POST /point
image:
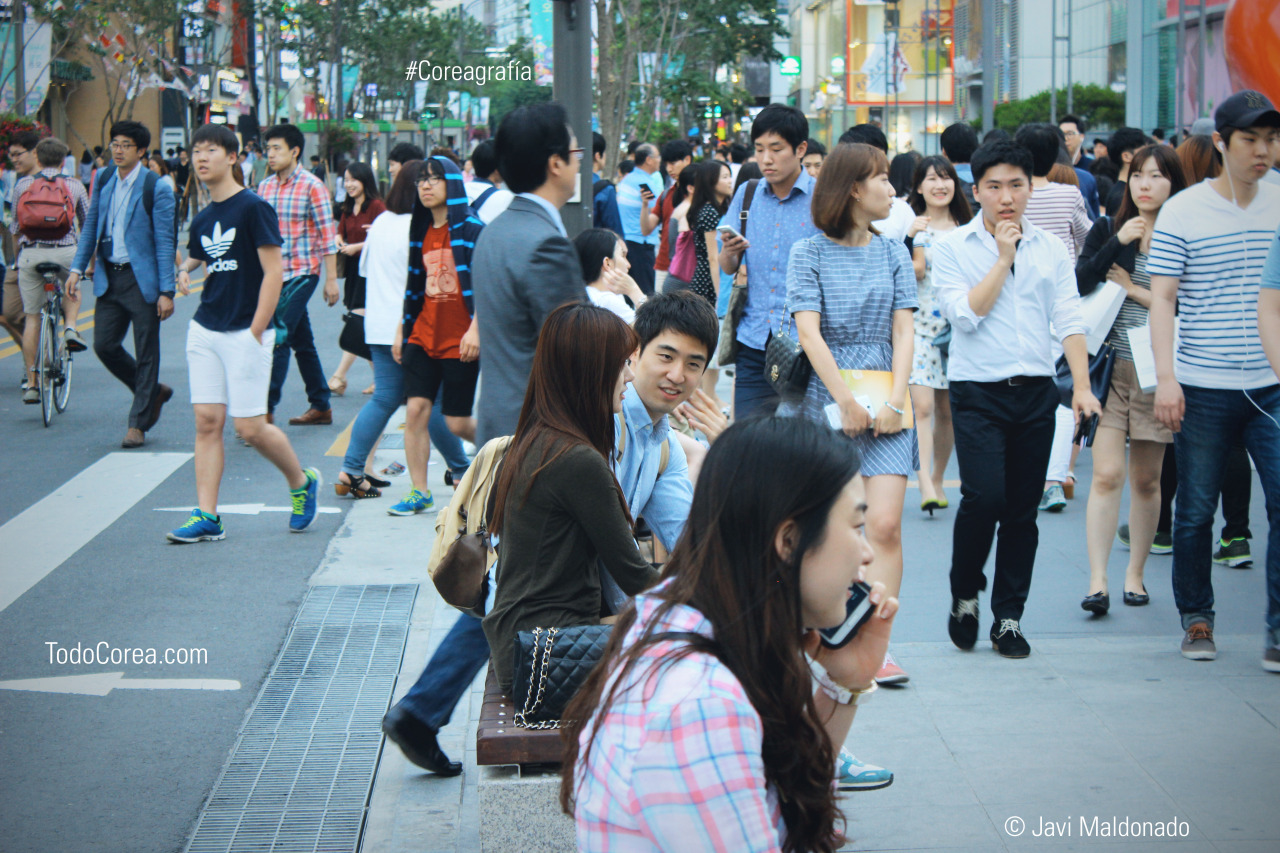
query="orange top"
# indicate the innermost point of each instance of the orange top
(443, 319)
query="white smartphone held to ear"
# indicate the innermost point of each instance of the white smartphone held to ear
(727, 231)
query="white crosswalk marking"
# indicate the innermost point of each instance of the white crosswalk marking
(44, 535)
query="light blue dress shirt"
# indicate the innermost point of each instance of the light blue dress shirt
(630, 203)
(119, 213)
(549, 208)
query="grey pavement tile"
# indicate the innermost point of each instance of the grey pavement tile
(924, 771)
(1095, 785)
(1044, 720)
(1268, 846)
(1226, 803)
(1261, 692)
(943, 827)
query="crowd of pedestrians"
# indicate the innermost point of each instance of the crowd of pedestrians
(1012, 301)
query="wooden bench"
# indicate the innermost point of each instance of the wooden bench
(500, 741)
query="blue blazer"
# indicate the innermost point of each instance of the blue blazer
(151, 243)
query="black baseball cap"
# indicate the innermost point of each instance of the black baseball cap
(1244, 110)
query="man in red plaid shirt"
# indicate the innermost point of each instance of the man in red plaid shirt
(305, 210)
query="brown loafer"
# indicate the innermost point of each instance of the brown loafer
(313, 417)
(163, 395)
(133, 438)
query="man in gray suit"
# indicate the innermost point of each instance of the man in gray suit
(524, 265)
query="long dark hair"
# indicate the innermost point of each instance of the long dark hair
(758, 475)
(364, 174)
(704, 189)
(581, 350)
(901, 170)
(959, 206)
(1170, 166)
(403, 194)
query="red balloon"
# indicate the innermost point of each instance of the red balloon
(1252, 31)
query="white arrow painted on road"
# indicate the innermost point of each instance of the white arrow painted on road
(102, 683)
(244, 509)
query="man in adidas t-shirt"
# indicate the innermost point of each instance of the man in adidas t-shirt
(238, 236)
(1207, 254)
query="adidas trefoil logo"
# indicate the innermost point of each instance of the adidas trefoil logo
(218, 246)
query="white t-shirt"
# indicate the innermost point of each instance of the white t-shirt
(615, 302)
(1216, 250)
(385, 265)
(493, 205)
(900, 218)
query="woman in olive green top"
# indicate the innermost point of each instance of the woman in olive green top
(557, 505)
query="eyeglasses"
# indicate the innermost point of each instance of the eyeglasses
(431, 180)
(1071, 133)
(122, 146)
(576, 152)
(15, 153)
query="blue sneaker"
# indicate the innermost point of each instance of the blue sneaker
(413, 503)
(855, 775)
(305, 501)
(200, 527)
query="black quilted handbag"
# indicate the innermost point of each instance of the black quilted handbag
(786, 366)
(551, 664)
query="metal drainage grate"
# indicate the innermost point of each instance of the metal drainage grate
(300, 773)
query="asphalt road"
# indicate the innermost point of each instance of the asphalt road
(129, 770)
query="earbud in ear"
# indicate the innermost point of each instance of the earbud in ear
(1222, 147)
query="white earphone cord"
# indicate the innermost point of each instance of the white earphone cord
(1244, 307)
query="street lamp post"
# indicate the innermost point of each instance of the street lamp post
(571, 86)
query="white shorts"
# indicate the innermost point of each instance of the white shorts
(231, 369)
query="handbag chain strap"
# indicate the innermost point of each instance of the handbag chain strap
(532, 703)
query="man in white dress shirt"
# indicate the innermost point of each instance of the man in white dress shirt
(1001, 283)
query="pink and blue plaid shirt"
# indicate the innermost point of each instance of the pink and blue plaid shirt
(677, 763)
(305, 211)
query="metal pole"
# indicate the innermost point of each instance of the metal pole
(17, 20)
(1071, 95)
(988, 65)
(1053, 62)
(1204, 59)
(1180, 79)
(571, 86)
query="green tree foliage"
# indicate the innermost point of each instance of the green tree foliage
(1098, 105)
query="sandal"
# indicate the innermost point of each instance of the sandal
(361, 488)
(1069, 486)
(381, 484)
(371, 389)
(337, 386)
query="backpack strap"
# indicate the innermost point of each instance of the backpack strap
(747, 196)
(482, 198)
(599, 186)
(149, 191)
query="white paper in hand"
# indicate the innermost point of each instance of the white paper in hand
(833, 411)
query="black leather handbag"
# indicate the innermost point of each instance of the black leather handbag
(550, 665)
(786, 366)
(1101, 365)
(351, 338)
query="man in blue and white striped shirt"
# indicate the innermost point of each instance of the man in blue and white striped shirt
(1207, 254)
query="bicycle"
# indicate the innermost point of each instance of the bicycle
(53, 358)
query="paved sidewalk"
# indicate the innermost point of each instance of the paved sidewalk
(1105, 719)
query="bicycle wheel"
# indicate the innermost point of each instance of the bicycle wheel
(62, 382)
(46, 363)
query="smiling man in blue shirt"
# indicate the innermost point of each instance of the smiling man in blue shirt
(779, 216)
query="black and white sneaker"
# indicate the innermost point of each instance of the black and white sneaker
(963, 623)
(1007, 639)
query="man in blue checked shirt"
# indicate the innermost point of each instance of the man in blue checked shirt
(779, 216)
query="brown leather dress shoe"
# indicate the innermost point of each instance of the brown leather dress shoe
(133, 438)
(163, 395)
(313, 417)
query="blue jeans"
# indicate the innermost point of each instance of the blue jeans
(293, 332)
(1214, 421)
(388, 377)
(455, 664)
(752, 393)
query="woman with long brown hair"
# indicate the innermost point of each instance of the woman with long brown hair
(1117, 251)
(558, 509)
(1199, 159)
(702, 728)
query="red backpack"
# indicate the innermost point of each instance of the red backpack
(46, 210)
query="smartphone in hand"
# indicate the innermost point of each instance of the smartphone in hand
(857, 612)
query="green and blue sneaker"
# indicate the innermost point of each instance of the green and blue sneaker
(413, 503)
(855, 775)
(200, 527)
(305, 501)
(1234, 554)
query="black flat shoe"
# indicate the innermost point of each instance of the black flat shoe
(1098, 603)
(1136, 599)
(377, 483)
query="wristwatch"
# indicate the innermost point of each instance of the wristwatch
(838, 693)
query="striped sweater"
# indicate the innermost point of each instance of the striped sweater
(464, 228)
(1216, 251)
